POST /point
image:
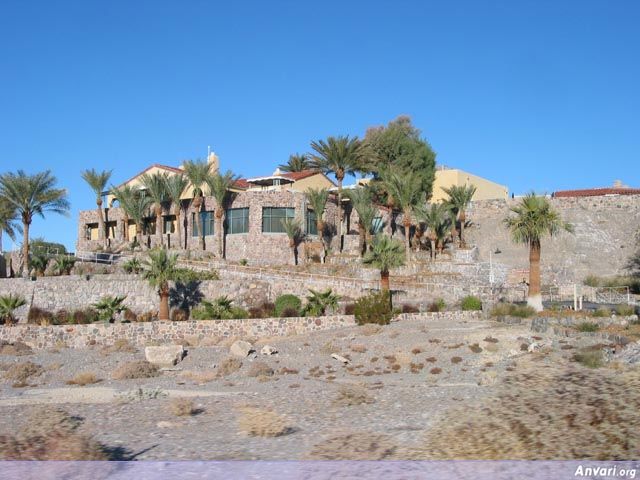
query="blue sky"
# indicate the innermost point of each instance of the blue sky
(537, 95)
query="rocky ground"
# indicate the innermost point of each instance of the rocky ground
(398, 381)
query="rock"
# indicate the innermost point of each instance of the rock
(534, 347)
(240, 348)
(164, 356)
(629, 354)
(268, 350)
(165, 424)
(340, 358)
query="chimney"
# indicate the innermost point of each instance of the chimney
(213, 159)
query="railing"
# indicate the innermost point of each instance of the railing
(98, 257)
(613, 295)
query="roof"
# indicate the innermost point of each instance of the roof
(155, 165)
(594, 192)
(245, 183)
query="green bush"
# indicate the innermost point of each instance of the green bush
(601, 312)
(587, 327)
(470, 303)
(591, 281)
(132, 266)
(287, 302)
(219, 309)
(373, 308)
(186, 275)
(590, 358)
(512, 310)
(625, 310)
(437, 306)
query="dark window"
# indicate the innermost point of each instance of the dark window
(237, 220)
(312, 225)
(207, 220)
(111, 229)
(169, 224)
(149, 226)
(377, 225)
(273, 219)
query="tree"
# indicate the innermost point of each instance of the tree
(198, 172)
(108, 307)
(176, 185)
(63, 264)
(340, 156)
(46, 247)
(319, 302)
(362, 203)
(386, 253)
(317, 198)
(220, 189)
(459, 199)
(8, 303)
(534, 219)
(8, 220)
(436, 220)
(155, 187)
(98, 182)
(159, 269)
(294, 232)
(297, 163)
(137, 209)
(39, 264)
(32, 195)
(125, 195)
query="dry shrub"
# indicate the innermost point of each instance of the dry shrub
(431, 359)
(435, 340)
(456, 359)
(260, 369)
(475, 348)
(288, 371)
(209, 342)
(294, 385)
(135, 369)
(84, 378)
(228, 366)
(121, 345)
(369, 329)
(258, 422)
(354, 446)
(179, 315)
(329, 348)
(416, 350)
(416, 367)
(21, 372)
(491, 339)
(15, 348)
(200, 377)
(358, 348)
(435, 371)
(226, 342)
(182, 407)
(349, 395)
(390, 358)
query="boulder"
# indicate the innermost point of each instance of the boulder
(339, 358)
(164, 356)
(268, 350)
(240, 348)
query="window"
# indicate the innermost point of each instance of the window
(111, 229)
(377, 225)
(273, 219)
(91, 231)
(312, 225)
(169, 224)
(149, 226)
(207, 221)
(237, 220)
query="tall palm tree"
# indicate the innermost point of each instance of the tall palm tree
(459, 199)
(197, 173)
(159, 269)
(219, 188)
(32, 195)
(386, 253)
(317, 198)
(361, 200)
(8, 220)
(125, 195)
(293, 229)
(297, 163)
(534, 219)
(137, 208)
(176, 185)
(155, 186)
(98, 182)
(436, 219)
(404, 188)
(340, 156)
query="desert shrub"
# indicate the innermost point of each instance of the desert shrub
(408, 308)
(587, 327)
(260, 369)
(437, 305)
(23, 371)
(590, 357)
(369, 329)
(256, 312)
(109, 306)
(358, 348)
(145, 316)
(15, 348)
(625, 310)
(243, 262)
(220, 308)
(456, 359)
(84, 316)
(435, 371)
(200, 377)
(186, 275)
(82, 379)
(591, 281)
(354, 446)
(132, 266)
(475, 348)
(135, 369)
(129, 315)
(229, 366)
(349, 308)
(374, 308)
(269, 309)
(471, 303)
(179, 315)
(290, 313)
(263, 423)
(121, 345)
(8, 303)
(601, 312)
(512, 310)
(349, 395)
(182, 407)
(287, 302)
(39, 316)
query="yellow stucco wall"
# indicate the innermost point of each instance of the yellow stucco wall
(485, 189)
(314, 181)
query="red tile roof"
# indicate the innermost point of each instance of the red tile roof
(594, 192)
(295, 176)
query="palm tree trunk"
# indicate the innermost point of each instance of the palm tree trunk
(407, 235)
(159, 224)
(292, 245)
(432, 241)
(463, 218)
(339, 178)
(384, 281)
(534, 298)
(362, 242)
(220, 230)
(102, 231)
(25, 247)
(320, 227)
(163, 313)
(197, 205)
(179, 227)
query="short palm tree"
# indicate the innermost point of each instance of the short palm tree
(317, 198)
(155, 187)
(32, 195)
(160, 268)
(220, 189)
(63, 264)
(98, 182)
(8, 303)
(534, 219)
(8, 221)
(340, 156)
(125, 195)
(176, 185)
(459, 199)
(198, 172)
(294, 232)
(39, 264)
(137, 209)
(108, 307)
(361, 200)
(319, 302)
(436, 218)
(297, 163)
(386, 253)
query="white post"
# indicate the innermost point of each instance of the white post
(580, 302)
(575, 297)
(491, 279)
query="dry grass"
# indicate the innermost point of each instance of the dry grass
(228, 366)
(416, 350)
(200, 377)
(435, 371)
(288, 371)
(455, 360)
(135, 369)
(329, 348)
(15, 348)
(431, 359)
(23, 371)
(84, 378)
(120, 346)
(349, 395)
(416, 367)
(209, 342)
(183, 407)
(369, 329)
(354, 446)
(259, 422)
(358, 348)
(260, 369)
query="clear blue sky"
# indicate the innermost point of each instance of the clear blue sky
(540, 95)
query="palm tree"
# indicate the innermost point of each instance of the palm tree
(39, 264)
(219, 188)
(361, 200)
(340, 156)
(8, 220)
(294, 231)
(404, 189)
(136, 208)
(198, 172)
(317, 198)
(125, 195)
(155, 186)
(319, 302)
(534, 219)
(108, 307)
(159, 269)
(386, 253)
(98, 182)
(32, 195)
(8, 303)
(459, 199)
(297, 163)
(176, 185)
(436, 219)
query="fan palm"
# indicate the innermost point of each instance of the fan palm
(125, 195)
(386, 253)
(319, 302)
(340, 156)
(8, 303)
(534, 219)
(317, 198)
(155, 187)
(32, 195)
(108, 307)
(297, 163)
(219, 188)
(294, 232)
(197, 173)
(458, 201)
(159, 269)
(39, 264)
(98, 182)
(176, 185)
(361, 200)
(137, 208)
(8, 220)
(436, 218)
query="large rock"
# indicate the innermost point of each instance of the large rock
(164, 356)
(268, 350)
(240, 348)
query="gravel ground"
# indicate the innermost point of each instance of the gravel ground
(438, 364)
